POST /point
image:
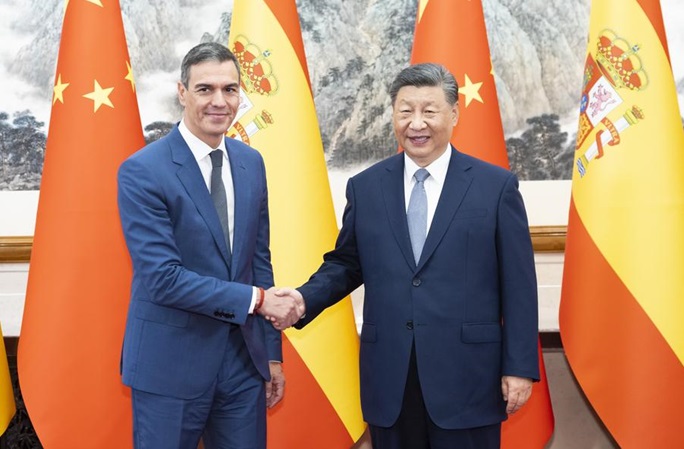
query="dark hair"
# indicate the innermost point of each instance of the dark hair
(207, 51)
(426, 75)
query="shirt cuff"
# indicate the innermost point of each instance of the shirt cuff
(252, 304)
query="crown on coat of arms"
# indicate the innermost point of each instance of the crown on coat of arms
(619, 61)
(256, 72)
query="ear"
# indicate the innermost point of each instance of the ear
(182, 91)
(454, 114)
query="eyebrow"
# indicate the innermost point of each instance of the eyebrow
(201, 85)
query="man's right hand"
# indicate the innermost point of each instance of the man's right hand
(284, 309)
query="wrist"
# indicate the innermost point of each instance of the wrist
(260, 299)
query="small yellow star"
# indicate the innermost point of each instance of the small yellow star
(100, 96)
(58, 90)
(95, 2)
(129, 75)
(471, 91)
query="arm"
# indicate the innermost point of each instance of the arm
(520, 364)
(161, 274)
(340, 274)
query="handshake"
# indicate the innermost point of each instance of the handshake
(283, 307)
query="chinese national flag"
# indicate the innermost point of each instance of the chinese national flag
(321, 408)
(453, 33)
(622, 300)
(79, 278)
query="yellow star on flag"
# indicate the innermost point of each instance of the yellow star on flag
(95, 2)
(100, 96)
(58, 90)
(471, 91)
(129, 75)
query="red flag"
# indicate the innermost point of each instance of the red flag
(79, 278)
(321, 361)
(622, 297)
(465, 52)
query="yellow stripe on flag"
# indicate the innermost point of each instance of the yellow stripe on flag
(280, 121)
(7, 405)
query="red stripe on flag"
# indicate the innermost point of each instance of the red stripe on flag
(324, 428)
(627, 370)
(286, 14)
(655, 16)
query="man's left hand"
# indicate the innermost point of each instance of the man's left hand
(516, 391)
(275, 389)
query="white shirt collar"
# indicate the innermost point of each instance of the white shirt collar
(199, 149)
(438, 167)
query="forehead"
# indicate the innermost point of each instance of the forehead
(421, 95)
(213, 72)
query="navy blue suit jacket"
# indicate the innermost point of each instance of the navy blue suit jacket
(470, 304)
(186, 290)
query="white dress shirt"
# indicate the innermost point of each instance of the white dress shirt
(433, 184)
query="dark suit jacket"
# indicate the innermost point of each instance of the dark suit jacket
(470, 305)
(185, 289)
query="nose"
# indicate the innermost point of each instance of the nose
(417, 121)
(218, 99)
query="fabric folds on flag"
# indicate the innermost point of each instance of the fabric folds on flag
(622, 298)
(7, 404)
(79, 278)
(278, 118)
(453, 33)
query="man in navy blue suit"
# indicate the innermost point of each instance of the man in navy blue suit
(199, 358)
(449, 337)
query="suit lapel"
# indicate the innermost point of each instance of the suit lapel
(456, 185)
(395, 204)
(243, 202)
(190, 176)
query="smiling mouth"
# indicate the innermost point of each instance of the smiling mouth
(419, 139)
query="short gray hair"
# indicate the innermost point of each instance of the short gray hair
(426, 75)
(206, 51)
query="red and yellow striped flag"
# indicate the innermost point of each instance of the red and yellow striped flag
(453, 33)
(622, 300)
(79, 278)
(7, 405)
(278, 118)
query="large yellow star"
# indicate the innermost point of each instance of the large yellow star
(129, 76)
(94, 2)
(100, 96)
(471, 91)
(58, 90)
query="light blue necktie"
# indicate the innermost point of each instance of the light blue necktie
(416, 214)
(218, 193)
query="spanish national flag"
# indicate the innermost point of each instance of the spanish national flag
(321, 408)
(622, 302)
(453, 33)
(80, 273)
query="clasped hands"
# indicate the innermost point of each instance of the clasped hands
(282, 307)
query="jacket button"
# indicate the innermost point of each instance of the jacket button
(409, 325)
(230, 315)
(416, 282)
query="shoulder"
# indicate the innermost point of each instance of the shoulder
(153, 151)
(479, 168)
(241, 149)
(378, 169)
